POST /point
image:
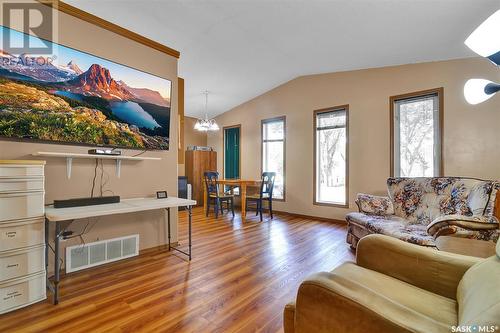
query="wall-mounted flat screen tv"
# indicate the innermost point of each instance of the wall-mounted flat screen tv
(74, 97)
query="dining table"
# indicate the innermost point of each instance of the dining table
(242, 184)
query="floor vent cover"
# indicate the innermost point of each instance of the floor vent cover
(79, 257)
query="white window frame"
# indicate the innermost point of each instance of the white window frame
(264, 122)
(395, 103)
(316, 129)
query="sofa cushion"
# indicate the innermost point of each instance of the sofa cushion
(395, 300)
(374, 205)
(421, 200)
(394, 226)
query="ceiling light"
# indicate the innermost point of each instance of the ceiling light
(205, 124)
(479, 90)
(485, 40)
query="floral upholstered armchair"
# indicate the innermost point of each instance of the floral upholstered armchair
(418, 210)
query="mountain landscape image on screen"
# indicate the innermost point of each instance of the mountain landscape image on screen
(75, 97)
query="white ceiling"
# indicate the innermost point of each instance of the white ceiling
(239, 49)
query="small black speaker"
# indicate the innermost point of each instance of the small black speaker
(78, 202)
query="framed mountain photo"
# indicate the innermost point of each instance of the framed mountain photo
(74, 97)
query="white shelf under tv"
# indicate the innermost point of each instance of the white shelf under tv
(70, 156)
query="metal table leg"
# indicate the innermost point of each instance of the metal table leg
(189, 214)
(46, 247)
(190, 237)
(168, 219)
(57, 267)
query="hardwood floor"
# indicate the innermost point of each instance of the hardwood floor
(241, 276)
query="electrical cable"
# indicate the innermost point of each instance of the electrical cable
(85, 230)
(92, 226)
(95, 176)
(139, 154)
(65, 228)
(102, 174)
(61, 261)
(104, 181)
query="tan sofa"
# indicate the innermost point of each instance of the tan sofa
(396, 286)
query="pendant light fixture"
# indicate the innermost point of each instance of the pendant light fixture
(205, 124)
(485, 42)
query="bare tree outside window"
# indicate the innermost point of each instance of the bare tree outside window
(416, 136)
(331, 159)
(273, 153)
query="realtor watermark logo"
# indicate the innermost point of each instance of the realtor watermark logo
(475, 328)
(37, 23)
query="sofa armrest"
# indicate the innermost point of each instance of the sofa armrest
(436, 271)
(465, 222)
(327, 302)
(289, 318)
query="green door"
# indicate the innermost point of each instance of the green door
(232, 153)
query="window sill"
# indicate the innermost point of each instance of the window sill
(327, 204)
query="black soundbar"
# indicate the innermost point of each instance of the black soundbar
(77, 202)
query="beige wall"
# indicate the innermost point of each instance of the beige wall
(471, 134)
(192, 137)
(138, 179)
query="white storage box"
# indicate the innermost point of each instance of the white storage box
(17, 263)
(22, 233)
(21, 185)
(13, 170)
(18, 293)
(22, 205)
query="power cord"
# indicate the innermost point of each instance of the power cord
(88, 227)
(104, 179)
(95, 176)
(139, 154)
(60, 260)
(102, 175)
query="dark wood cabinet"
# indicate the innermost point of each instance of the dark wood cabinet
(197, 162)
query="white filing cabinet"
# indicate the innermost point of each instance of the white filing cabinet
(22, 234)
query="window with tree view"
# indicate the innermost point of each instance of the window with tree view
(273, 152)
(331, 156)
(417, 143)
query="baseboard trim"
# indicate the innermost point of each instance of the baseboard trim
(157, 248)
(324, 219)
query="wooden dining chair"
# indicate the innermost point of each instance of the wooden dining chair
(265, 194)
(214, 196)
